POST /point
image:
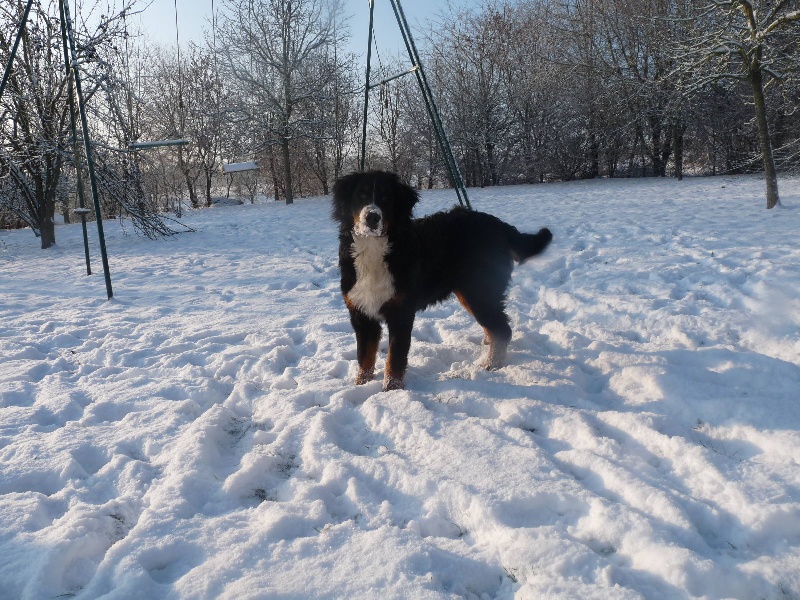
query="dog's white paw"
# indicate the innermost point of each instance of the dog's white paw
(496, 358)
(392, 383)
(364, 376)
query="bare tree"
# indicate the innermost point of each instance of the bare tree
(34, 116)
(269, 43)
(38, 153)
(529, 66)
(204, 112)
(632, 41)
(391, 116)
(424, 147)
(471, 86)
(174, 110)
(749, 41)
(329, 116)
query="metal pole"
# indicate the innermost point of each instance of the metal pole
(14, 48)
(81, 210)
(366, 88)
(433, 111)
(81, 202)
(67, 30)
(411, 50)
(444, 143)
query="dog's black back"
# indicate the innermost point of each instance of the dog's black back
(417, 262)
(470, 252)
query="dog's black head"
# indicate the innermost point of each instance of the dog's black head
(372, 203)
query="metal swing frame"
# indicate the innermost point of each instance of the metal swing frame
(73, 74)
(417, 69)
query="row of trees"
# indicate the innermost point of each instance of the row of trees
(539, 90)
(529, 90)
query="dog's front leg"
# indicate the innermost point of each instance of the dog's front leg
(368, 335)
(400, 325)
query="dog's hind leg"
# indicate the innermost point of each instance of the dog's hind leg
(490, 314)
(498, 332)
(368, 335)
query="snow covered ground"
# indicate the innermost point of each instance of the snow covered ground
(199, 436)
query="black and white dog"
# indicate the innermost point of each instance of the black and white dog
(393, 265)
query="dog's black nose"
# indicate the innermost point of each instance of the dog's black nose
(373, 219)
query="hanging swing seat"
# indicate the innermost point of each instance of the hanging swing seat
(239, 167)
(157, 144)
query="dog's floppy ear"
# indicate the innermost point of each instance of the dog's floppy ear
(342, 193)
(405, 199)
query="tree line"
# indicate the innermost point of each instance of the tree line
(530, 91)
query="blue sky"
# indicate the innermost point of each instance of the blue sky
(194, 15)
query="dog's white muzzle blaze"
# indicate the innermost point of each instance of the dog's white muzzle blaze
(370, 221)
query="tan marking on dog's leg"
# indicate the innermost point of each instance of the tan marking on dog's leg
(366, 366)
(391, 379)
(400, 326)
(368, 338)
(464, 302)
(487, 337)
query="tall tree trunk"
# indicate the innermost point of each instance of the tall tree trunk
(656, 154)
(209, 177)
(771, 175)
(491, 163)
(192, 192)
(288, 108)
(184, 167)
(274, 174)
(47, 224)
(287, 170)
(47, 229)
(677, 143)
(594, 143)
(46, 190)
(678, 137)
(594, 155)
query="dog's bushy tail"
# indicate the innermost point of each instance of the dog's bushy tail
(526, 245)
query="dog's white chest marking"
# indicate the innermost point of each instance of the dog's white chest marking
(374, 283)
